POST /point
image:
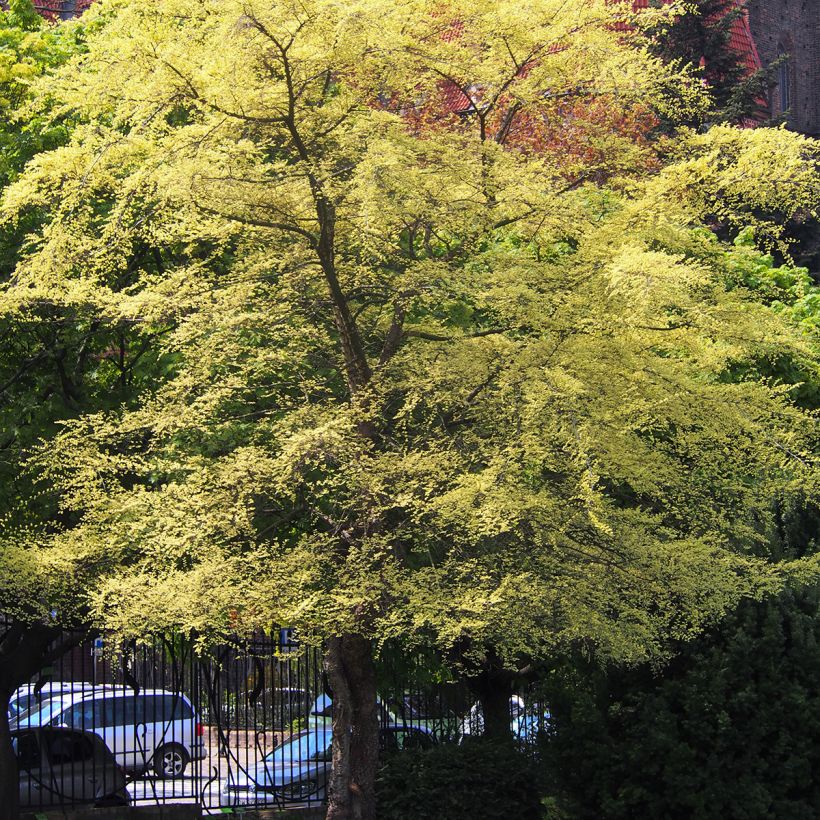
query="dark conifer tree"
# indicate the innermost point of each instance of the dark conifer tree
(703, 37)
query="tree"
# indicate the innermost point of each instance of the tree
(421, 381)
(30, 637)
(701, 35)
(30, 48)
(729, 727)
(59, 358)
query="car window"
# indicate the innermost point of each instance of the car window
(166, 708)
(121, 711)
(396, 739)
(83, 715)
(67, 747)
(27, 750)
(40, 713)
(414, 706)
(22, 704)
(147, 709)
(309, 746)
(325, 754)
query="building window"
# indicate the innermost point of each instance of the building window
(784, 80)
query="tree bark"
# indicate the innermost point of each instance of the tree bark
(494, 685)
(348, 658)
(352, 678)
(24, 650)
(9, 790)
(355, 358)
(494, 694)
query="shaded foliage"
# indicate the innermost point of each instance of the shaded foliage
(479, 780)
(731, 729)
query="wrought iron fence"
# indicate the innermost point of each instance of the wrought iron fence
(248, 724)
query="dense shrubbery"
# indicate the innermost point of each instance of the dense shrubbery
(730, 730)
(479, 780)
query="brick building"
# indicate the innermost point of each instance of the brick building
(790, 29)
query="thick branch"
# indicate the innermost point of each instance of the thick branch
(261, 223)
(435, 337)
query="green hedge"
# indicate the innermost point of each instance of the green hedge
(479, 780)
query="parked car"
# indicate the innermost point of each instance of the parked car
(66, 767)
(150, 729)
(297, 770)
(29, 695)
(321, 713)
(427, 713)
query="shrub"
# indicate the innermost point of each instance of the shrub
(479, 780)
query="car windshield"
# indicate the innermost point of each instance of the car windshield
(22, 704)
(309, 746)
(40, 714)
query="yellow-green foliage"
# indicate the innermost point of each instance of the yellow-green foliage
(29, 48)
(551, 442)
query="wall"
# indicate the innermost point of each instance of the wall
(792, 26)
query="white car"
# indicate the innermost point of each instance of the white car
(28, 695)
(152, 728)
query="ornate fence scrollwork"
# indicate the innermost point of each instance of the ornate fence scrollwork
(246, 724)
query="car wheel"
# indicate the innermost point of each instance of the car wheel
(170, 761)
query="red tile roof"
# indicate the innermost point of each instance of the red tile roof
(740, 38)
(50, 9)
(740, 41)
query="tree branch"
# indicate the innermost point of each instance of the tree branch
(435, 337)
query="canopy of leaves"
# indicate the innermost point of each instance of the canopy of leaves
(409, 381)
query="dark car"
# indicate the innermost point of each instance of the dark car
(66, 767)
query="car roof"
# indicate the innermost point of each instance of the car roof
(72, 698)
(121, 692)
(54, 686)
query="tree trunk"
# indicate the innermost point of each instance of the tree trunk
(494, 696)
(494, 685)
(352, 678)
(9, 790)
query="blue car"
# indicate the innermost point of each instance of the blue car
(296, 771)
